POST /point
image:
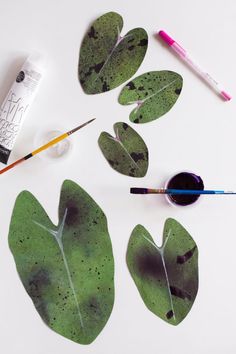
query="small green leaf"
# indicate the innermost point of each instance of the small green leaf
(166, 276)
(67, 269)
(127, 153)
(154, 92)
(106, 59)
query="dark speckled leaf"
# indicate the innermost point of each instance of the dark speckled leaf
(67, 269)
(154, 92)
(127, 153)
(106, 59)
(166, 276)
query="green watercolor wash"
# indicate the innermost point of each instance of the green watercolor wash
(106, 59)
(166, 276)
(154, 92)
(126, 153)
(67, 269)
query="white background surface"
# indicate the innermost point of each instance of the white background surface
(198, 134)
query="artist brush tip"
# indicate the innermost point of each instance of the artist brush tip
(89, 121)
(80, 126)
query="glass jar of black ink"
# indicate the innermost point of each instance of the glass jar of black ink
(184, 180)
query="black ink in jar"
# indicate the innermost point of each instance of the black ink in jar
(184, 180)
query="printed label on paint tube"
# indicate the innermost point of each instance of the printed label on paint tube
(15, 105)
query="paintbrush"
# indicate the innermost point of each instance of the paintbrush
(44, 147)
(177, 191)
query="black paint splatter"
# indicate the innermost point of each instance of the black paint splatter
(177, 91)
(131, 85)
(92, 33)
(143, 42)
(169, 314)
(180, 293)
(105, 87)
(98, 67)
(111, 162)
(137, 156)
(131, 47)
(184, 258)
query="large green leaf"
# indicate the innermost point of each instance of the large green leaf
(106, 59)
(67, 269)
(166, 276)
(127, 153)
(155, 93)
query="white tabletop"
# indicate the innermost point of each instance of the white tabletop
(198, 134)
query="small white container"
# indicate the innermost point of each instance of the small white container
(57, 152)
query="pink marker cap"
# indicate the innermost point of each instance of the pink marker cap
(166, 38)
(225, 95)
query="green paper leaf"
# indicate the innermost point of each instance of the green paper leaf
(126, 153)
(67, 269)
(106, 59)
(155, 93)
(166, 276)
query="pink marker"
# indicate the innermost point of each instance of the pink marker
(202, 73)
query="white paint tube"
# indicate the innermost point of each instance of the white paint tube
(16, 104)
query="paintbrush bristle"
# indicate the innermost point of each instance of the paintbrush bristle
(80, 126)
